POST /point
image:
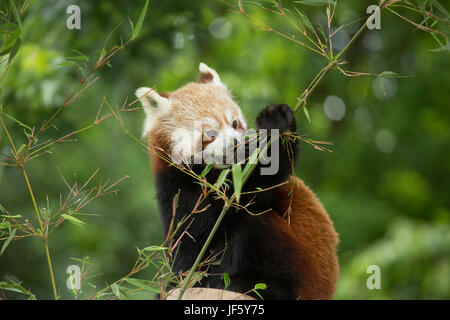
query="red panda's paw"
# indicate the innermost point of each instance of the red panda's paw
(279, 117)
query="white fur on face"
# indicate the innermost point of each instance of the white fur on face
(185, 144)
(153, 105)
(177, 121)
(229, 116)
(211, 123)
(221, 151)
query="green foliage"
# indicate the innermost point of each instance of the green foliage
(237, 180)
(15, 287)
(413, 259)
(137, 29)
(259, 286)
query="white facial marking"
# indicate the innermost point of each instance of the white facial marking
(185, 147)
(242, 120)
(211, 123)
(229, 116)
(153, 105)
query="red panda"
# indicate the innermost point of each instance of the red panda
(290, 245)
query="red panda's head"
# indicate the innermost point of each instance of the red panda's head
(196, 122)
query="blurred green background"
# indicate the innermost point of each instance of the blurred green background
(386, 184)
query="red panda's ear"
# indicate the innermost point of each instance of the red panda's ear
(154, 105)
(209, 75)
(152, 101)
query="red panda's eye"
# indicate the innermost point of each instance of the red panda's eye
(234, 124)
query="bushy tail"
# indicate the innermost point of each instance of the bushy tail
(317, 239)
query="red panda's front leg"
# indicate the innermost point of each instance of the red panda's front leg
(282, 150)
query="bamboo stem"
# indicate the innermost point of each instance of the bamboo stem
(333, 61)
(204, 248)
(33, 199)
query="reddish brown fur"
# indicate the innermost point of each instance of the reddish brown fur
(165, 94)
(205, 77)
(158, 145)
(315, 240)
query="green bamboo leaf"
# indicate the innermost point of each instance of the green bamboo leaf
(66, 63)
(138, 27)
(444, 47)
(388, 74)
(252, 161)
(322, 32)
(237, 180)
(221, 178)
(131, 25)
(6, 27)
(226, 280)
(306, 112)
(260, 286)
(116, 291)
(16, 13)
(8, 240)
(5, 225)
(10, 42)
(206, 170)
(14, 50)
(258, 294)
(439, 6)
(304, 20)
(421, 6)
(15, 287)
(17, 121)
(253, 4)
(142, 284)
(23, 146)
(78, 58)
(12, 287)
(74, 220)
(103, 51)
(155, 248)
(80, 54)
(315, 2)
(391, 74)
(87, 214)
(11, 217)
(85, 260)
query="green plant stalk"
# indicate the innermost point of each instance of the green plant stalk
(317, 79)
(322, 73)
(205, 247)
(44, 237)
(33, 199)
